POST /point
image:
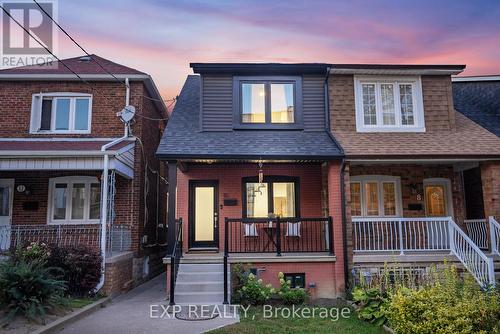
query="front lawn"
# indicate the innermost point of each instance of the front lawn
(255, 322)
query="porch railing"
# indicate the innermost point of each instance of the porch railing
(400, 234)
(62, 235)
(494, 235)
(477, 230)
(278, 235)
(175, 259)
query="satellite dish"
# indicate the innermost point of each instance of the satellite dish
(127, 114)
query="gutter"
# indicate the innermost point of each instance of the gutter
(342, 181)
(104, 197)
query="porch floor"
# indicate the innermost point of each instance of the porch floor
(255, 257)
(407, 258)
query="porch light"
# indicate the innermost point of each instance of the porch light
(261, 173)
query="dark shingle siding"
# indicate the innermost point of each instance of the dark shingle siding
(217, 103)
(313, 102)
(479, 101)
(183, 137)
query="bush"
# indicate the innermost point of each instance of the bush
(30, 288)
(372, 305)
(447, 304)
(33, 252)
(289, 295)
(254, 292)
(81, 267)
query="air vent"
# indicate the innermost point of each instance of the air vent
(85, 59)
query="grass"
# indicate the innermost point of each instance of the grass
(81, 302)
(255, 322)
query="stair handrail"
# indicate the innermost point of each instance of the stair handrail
(494, 235)
(174, 260)
(472, 258)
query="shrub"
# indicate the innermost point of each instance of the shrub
(254, 292)
(372, 304)
(30, 288)
(33, 252)
(289, 295)
(81, 267)
(446, 304)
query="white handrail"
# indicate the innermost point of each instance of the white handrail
(473, 259)
(477, 231)
(494, 235)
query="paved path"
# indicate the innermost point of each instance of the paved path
(130, 313)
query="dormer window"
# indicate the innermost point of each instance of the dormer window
(385, 104)
(61, 113)
(267, 102)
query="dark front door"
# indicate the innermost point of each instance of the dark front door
(203, 214)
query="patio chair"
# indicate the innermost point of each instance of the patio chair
(251, 230)
(293, 229)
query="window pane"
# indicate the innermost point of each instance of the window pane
(4, 201)
(356, 199)
(62, 114)
(253, 98)
(46, 117)
(435, 200)
(389, 198)
(95, 201)
(406, 98)
(78, 201)
(388, 112)
(284, 199)
(371, 195)
(257, 204)
(282, 105)
(59, 208)
(369, 107)
(82, 114)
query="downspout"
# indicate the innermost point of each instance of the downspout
(342, 176)
(104, 197)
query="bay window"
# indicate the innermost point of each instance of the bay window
(75, 199)
(389, 104)
(376, 196)
(275, 196)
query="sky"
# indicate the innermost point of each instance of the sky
(163, 37)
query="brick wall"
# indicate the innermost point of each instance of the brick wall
(118, 277)
(438, 103)
(490, 178)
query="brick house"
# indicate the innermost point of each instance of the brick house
(321, 170)
(421, 179)
(59, 138)
(254, 176)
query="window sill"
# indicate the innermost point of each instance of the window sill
(390, 129)
(81, 222)
(82, 132)
(294, 127)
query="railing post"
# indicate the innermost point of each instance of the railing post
(181, 236)
(400, 232)
(493, 236)
(491, 271)
(58, 237)
(226, 252)
(278, 236)
(330, 235)
(451, 236)
(172, 279)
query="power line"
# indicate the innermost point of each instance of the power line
(89, 55)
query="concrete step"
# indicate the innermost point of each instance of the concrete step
(199, 297)
(201, 268)
(199, 287)
(196, 277)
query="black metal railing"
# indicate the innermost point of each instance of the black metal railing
(175, 259)
(278, 235)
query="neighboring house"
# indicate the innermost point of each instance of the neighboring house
(59, 138)
(254, 175)
(478, 98)
(418, 174)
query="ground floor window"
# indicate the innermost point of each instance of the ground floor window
(275, 195)
(74, 199)
(376, 195)
(296, 280)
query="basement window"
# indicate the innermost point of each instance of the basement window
(297, 280)
(61, 113)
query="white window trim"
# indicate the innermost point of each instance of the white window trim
(70, 180)
(362, 179)
(446, 183)
(36, 113)
(418, 105)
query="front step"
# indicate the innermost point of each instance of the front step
(200, 283)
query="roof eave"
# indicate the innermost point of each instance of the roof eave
(256, 157)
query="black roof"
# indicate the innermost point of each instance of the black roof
(260, 68)
(183, 138)
(479, 101)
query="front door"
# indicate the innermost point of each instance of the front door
(203, 214)
(6, 197)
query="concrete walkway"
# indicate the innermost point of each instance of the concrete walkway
(130, 313)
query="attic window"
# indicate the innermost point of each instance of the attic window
(85, 59)
(385, 104)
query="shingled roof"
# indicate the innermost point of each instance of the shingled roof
(479, 101)
(183, 138)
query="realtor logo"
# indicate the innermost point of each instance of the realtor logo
(25, 18)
